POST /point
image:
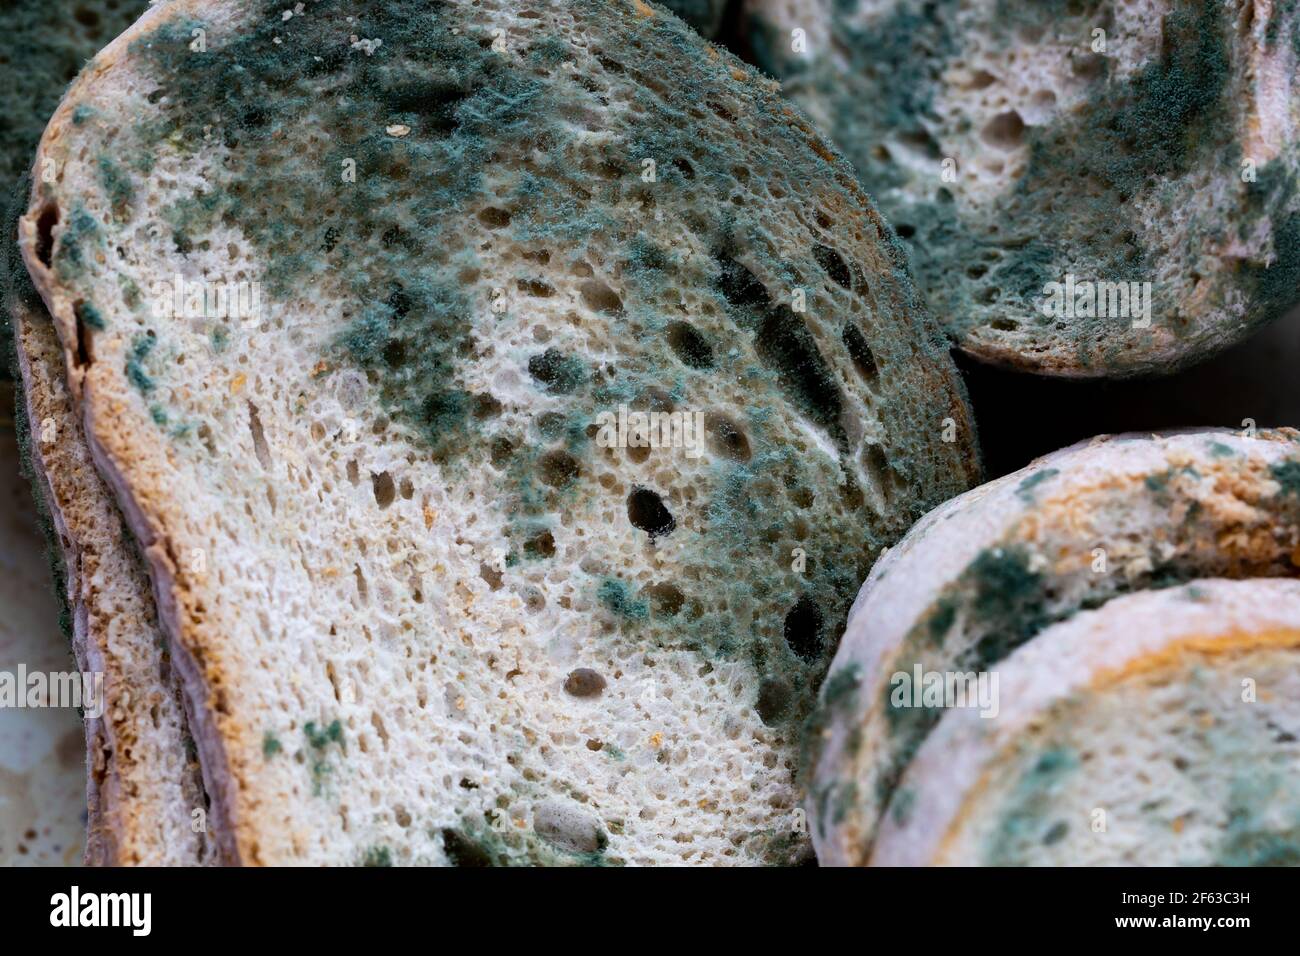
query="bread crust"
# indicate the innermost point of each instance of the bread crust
(140, 788)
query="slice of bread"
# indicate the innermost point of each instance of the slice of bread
(42, 749)
(984, 573)
(426, 605)
(1160, 730)
(1115, 141)
(143, 783)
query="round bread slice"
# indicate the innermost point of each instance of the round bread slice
(986, 572)
(431, 601)
(1159, 730)
(145, 800)
(1102, 188)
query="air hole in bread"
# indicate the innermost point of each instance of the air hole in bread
(534, 599)
(259, 438)
(726, 438)
(45, 223)
(1004, 131)
(486, 406)
(803, 630)
(558, 468)
(85, 349)
(646, 511)
(494, 217)
(786, 346)
(556, 371)
(601, 298)
(502, 449)
(584, 682)
(384, 488)
(690, 346)
(665, 597)
(535, 287)
(1088, 67)
(773, 700)
(833, 264)
(541, 545)
(864, 360)
(491, 576)
(877, 465)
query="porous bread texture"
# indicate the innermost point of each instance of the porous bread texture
(1160, 730)
(1170, 157)
(986, 572)
(384, 537)
(143, 782)
(42, 749)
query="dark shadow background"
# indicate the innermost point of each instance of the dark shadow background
(1023, 416)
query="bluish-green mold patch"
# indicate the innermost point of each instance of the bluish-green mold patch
(1257, 834)
(319, 740)
(1287, 475)
(617, 596)
(81, 231)
(1025, 490)
(1028, 816)
(377, 856)
(141, 346)
(89, 315)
